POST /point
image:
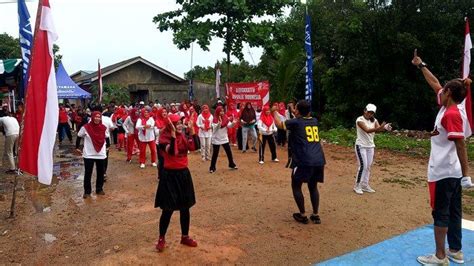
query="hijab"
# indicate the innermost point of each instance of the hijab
(96, 131)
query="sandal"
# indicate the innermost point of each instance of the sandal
(315, 218)
(300, 218)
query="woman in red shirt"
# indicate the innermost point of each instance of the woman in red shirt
(175, 188)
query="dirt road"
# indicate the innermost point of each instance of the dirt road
(241, 216)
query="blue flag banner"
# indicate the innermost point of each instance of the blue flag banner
(309, 60)
(26, 40)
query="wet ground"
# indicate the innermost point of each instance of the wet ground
(241, 217)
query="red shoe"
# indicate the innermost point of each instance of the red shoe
(186, 240)
(160, 245)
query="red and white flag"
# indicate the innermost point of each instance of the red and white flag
(99, 77)
(218, 82)
(41, 110)
(466, 70)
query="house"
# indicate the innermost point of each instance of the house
(146, 81)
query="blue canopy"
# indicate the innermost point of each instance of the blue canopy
(67, 88)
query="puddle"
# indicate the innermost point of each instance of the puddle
(68, 167)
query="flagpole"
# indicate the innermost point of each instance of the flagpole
(191, 93)
(20, 139)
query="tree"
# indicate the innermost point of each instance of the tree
(362, 52)
(234, 21)
(111, 92)
(9, 47)
(239, 72)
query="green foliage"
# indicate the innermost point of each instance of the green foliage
(389, 141)
(9, 47)
(111, 92)
(239, 72)
(362, 52)
(235, 22)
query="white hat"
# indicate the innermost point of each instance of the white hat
(141, 102)
(371, 108)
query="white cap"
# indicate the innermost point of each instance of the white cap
(371, 108)
(141, 102)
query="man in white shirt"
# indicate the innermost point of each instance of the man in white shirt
(12, 130)
(447, 166)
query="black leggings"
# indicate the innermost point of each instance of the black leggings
(184, 218)
(215, 153)
(99, 168)
(271, 142)
(313, 193)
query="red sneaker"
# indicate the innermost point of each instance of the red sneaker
(186, 240)
(160, 245)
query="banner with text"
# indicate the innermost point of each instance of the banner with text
(257, 93)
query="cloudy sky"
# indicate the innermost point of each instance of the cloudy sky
(115, 30)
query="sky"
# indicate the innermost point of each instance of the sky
(116, 30)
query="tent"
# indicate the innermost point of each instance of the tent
(67, 88)
(8, 65)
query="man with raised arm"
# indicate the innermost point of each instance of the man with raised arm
(447, 166)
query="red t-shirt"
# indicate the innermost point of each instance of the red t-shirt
(63, 118)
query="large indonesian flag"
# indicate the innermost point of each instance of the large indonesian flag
(41, 111)
(466, 69)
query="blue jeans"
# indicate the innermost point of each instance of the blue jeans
(253, 133)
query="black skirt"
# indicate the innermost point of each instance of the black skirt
(175, 190)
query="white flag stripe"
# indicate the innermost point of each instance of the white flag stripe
(48, 134)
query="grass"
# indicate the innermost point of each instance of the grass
(388, 141)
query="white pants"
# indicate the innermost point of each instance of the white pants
(205, 147)
(10, 145)
(365, 157)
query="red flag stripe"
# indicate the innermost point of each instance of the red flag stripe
(41, 112)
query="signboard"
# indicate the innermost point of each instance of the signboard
(257, 93)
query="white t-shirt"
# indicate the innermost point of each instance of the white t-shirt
(364, 139)
(200, 123)
(451, 124)
(146, 135)
(129, 126)
(10, 125)
(264, 129)
(219, 134)
(89, 151)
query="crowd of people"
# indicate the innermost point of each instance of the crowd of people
(173, 130)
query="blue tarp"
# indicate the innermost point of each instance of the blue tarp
(67, 88)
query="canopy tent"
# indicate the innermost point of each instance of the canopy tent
(9, 65)
(67, 88)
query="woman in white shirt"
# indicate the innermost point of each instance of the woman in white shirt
(366, 126)
(205, 132)
(266, 128)
(94, 134)
(146, 136)
(220, 124)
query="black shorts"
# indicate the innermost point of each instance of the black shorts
(308, 173)
(446, 201)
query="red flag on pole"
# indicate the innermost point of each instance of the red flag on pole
(41, 107)
(466, 69)
(99, 77)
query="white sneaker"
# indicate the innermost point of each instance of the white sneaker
(368, 189)
(358, 190)
(142, 165)
(466, 182)
(203, 159)
(276, 160)
(154, 164)
(432, 260)
(261, 162)
(457, 257)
